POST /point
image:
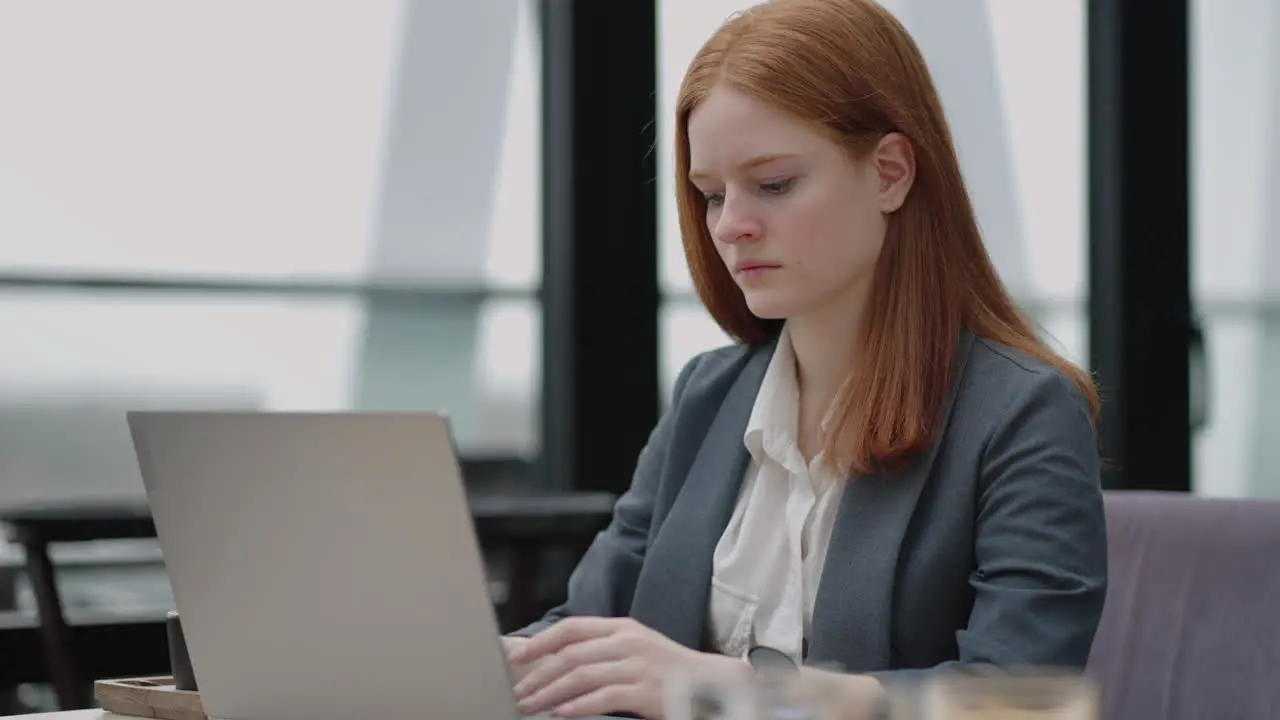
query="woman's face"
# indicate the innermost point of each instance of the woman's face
(798, 222)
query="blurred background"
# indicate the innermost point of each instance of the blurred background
(468, 207)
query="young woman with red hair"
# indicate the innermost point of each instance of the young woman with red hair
(889, 472)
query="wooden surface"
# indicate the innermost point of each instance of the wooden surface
(150, 697)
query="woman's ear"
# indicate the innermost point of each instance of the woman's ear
(894, 159)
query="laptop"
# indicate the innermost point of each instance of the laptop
(325, 565)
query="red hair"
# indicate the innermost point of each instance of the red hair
(850, 68)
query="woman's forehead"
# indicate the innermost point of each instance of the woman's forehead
(732, 130)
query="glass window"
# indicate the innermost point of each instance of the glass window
(684, 330)
(74, 363)
(272, 144)
(277, 140)
(1235, 243)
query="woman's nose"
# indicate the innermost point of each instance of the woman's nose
(736, 224)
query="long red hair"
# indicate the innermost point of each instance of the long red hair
(851, 68)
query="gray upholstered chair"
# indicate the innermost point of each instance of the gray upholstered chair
(1191, 627)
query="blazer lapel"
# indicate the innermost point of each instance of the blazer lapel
(674, 586)
(853, 608)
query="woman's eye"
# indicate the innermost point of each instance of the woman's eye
(778, 187)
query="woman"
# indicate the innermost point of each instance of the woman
(890, 472)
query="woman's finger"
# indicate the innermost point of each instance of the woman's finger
(588, 652)
(605, 700)
(565, 632)
(582, 680)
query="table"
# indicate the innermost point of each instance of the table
(103, 715)
(37, 527)
(97, 714)
(525, 521)
(71, 715)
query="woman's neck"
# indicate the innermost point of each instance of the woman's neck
(823, 348)
(822, 359)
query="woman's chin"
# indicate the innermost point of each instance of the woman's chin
(769, 308)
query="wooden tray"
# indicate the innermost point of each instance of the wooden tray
(149, 697)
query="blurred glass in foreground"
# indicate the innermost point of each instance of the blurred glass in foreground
(1027, 694)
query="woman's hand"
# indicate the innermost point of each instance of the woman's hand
(510, 644)
(599, 666)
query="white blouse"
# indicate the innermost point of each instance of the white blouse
(768, 562)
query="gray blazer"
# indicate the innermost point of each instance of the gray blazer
(990, 549)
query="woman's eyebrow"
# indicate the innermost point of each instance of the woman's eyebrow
(747, 164)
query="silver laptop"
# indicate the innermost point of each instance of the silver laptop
(324, 565)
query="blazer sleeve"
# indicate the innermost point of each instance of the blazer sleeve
(603, 583)
(1040, 545)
